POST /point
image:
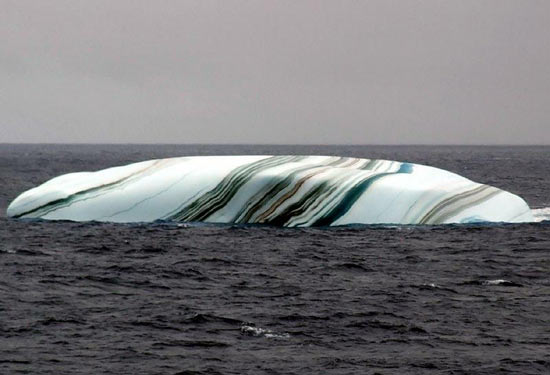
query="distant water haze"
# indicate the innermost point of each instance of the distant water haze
(298, 72)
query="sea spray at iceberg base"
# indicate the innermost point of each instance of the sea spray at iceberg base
(292, 191)
(541, 214)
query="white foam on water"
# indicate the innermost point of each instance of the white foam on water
(501, 282)
(257, 331)
(430, 285)
(496, 282)
(541, 214)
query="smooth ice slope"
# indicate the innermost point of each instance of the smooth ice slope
(277, 190)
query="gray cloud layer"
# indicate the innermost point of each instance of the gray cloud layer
(267, 71)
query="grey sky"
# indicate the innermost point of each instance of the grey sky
(373, 72)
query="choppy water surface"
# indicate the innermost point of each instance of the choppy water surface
(202, 299)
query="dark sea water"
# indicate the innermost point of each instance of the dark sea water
(91, 298)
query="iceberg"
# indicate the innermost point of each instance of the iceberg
(289, 191)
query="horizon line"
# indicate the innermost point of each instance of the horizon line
(281, 144)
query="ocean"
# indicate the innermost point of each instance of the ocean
(172, 298)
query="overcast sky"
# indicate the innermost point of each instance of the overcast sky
(327, 72)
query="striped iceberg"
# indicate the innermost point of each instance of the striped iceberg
(277, 190)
